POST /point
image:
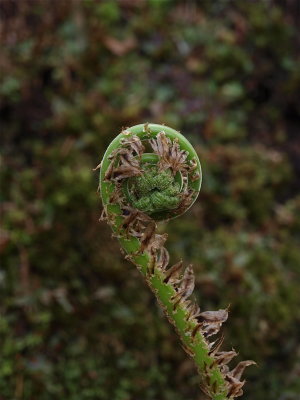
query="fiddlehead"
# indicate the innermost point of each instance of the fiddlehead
(150, 173)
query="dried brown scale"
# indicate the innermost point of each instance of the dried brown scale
(186, 199)
(158, 253)
(163, 259)
(123, 162)
(219, 316)
(239, 369)
(187, 283)
(170, 155)
(146, 127)
(193, 311)
(214, 387)
(140, 216)
(185, 182)
(186, 288)
(224, 357)
(206, 376)
(117, 196)
(126, 153)
(103, 216)
(173, 273)
(124, 172)
(193, 165)
(196, 329)
(215, 346)
(234, 387)
(210, 329)
(157, 242)
(147, 236)
(98, 166)
(126, 131)
(204, 389)
(106, 217)
(152, 265)
(178, 158)
(128, 161)
(187, 350)
(188, 305)
(129, 220)
(136, 231)
(129, 257)
(195, 177)
(161, 145)
(134, 221)
(134, 144)
(109, 171)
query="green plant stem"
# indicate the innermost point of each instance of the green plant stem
(195, 345)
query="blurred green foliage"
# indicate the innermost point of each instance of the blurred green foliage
(77, 321)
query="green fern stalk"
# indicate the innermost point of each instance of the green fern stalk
(151, 173)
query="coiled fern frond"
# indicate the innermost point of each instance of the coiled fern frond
(151, 173)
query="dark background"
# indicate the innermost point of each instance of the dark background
(78, 322)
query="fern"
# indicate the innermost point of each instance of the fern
(151, 173)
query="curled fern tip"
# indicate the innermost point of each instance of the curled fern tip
(151, 173)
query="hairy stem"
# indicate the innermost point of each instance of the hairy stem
(134, 198)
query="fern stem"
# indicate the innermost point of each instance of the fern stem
(124, 162)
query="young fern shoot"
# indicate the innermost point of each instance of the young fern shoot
(151, 173)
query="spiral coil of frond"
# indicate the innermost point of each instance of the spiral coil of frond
(150, 173)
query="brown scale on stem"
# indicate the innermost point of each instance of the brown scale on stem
(186, 287)
(193, 311)
(163, 259)
(172, 274)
